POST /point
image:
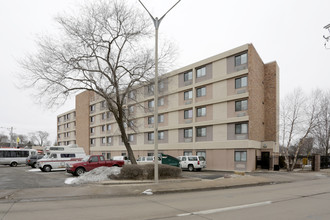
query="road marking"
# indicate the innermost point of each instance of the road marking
(211, 211)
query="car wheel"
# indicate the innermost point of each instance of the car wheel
(47, 168)
(191, 167)
(80, 171)
(34, 165)
(13, 164)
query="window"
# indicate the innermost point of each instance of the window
(201, 91)
(188, 95)
(240, 59)
(150, 120)
(201, 132)
(92, 141)
(131, 109)
(131, 124)
(92, 107)
(241, 82)
(240, 156)
(103, 116)
(94, 159)
(103, 104)
(201, 154)
(109, 127)
(151, 89)
(187, 153)
(160, 85)
(131, 95)
(108, 115)
(151, 104)
(150, 136)
(103, 140)
(92, 119)
(92, 130)
(130, 137)
(160, 101)
(241, 105)
(160, 118)
(188, 114)
(201, 112)
(109, 139)
(188, 132)
(59, 127)
(103, 127)
(201, 72)
(187, 76)
(67, 125)
(241, 128)
(161, 135)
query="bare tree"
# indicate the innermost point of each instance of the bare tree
(23, 139)
(102, 49)
(322, 131)
(39, 138)
(299, 117)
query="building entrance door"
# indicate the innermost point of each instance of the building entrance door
(265, 160)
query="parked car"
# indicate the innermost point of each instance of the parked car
(147, 159)
(192, 162)
(91, 162)
(162, 159)
(57, 159)
(32, 160)
(169, 160)
(124, 158)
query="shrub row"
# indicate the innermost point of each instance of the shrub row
(146, 172)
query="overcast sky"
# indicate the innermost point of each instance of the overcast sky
(288, 31)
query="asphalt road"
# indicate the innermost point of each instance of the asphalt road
(308, 199)
(22, 177)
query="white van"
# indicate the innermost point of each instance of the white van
(57, 159)
(15, 156)
(124, 158)
(148, 159)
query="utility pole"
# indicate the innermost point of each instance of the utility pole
(11, 134)
(156, 24)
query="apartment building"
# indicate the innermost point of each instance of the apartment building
(225, 108)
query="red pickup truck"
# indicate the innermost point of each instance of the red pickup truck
(91, 162)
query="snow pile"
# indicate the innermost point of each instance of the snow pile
(96, 175)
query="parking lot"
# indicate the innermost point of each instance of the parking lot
(23, 177)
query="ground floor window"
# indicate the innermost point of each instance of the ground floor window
(201, 153)
(240, 156)
(187, 153)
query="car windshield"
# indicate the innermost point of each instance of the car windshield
(85, 159)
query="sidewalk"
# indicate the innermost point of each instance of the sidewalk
(136, 188)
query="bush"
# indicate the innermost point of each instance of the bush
(146, 172)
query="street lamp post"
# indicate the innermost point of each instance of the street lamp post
(156, 24)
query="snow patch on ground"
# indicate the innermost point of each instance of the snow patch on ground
(34, 170)
(96, 175)
(148, 192)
